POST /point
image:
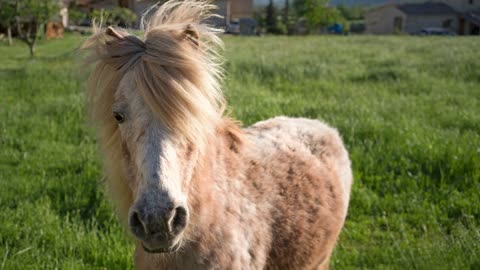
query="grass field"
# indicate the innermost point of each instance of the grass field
(408, 109)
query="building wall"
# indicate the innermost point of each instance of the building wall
(415, 24)
(232, 10)
(224, 11)
(241, 9)
(380, 21)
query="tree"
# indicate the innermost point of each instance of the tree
(30, 16)
(286, 15)
(270, 17)
(300, 7)
(317, 13)
(7, 16)
(286, 10)
(75, 16)
(352, 13)
(272, 22)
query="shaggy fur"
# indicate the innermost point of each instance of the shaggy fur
(271, 196)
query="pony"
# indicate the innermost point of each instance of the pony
(194, 189)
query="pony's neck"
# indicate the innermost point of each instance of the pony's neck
(219, 162)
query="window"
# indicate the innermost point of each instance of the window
(447, 23)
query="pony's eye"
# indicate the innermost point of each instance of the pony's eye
(120, 117)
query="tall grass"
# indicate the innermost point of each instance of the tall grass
(408, 109)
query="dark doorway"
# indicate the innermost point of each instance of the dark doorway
(397, 25)
(461, 26)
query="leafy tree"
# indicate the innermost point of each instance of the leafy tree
(317, 13)
(30, 16)
(352, 13)
(300, 7)
(75, 16)
(7, 17)
(123, 17)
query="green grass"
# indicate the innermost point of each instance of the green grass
(408, 109)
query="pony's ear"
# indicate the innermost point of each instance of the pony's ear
(191, 33)
(113, 33)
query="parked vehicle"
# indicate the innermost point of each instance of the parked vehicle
(335, 29)
(243, 26)
(433, 31)
(233, 27)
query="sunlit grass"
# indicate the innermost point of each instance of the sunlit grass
(408, 109)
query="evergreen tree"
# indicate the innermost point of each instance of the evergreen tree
(286, 14)
(271, 17)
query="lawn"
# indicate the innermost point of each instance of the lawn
(408, 109)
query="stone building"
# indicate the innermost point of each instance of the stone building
(458, 16)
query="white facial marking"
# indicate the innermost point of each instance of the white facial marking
(152, 149)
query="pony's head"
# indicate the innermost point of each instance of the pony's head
(154, 101)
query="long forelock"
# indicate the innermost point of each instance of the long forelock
(178, 79)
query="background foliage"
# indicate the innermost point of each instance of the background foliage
(317, 15)
(123, 17)
(29, 17)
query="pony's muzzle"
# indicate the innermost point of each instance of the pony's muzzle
(158, 228)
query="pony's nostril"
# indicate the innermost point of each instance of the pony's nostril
(162, 224)
(136, 224)
(179, 220)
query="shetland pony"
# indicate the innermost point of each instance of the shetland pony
(195, 190)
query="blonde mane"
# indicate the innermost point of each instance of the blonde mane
(176, 69)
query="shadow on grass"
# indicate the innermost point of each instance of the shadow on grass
(6, 73)
(381, 75)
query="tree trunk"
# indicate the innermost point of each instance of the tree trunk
(30, 35)
(9, 31)
(32, 49)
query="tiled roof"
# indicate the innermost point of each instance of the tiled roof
(472, 16)
(428, 8)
